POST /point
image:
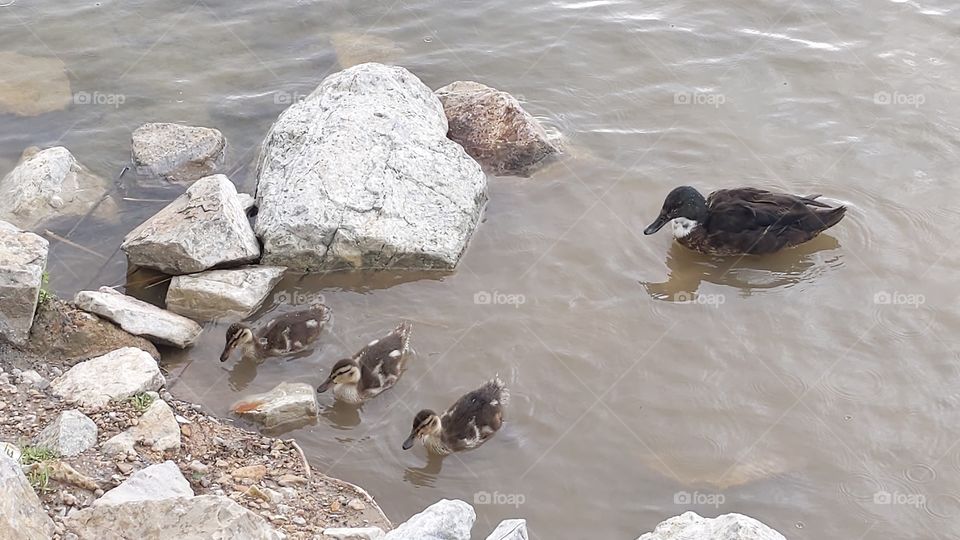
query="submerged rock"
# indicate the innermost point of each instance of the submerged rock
(177, 152)
(23, 259)
(32, 85)
(69, 434)
(49, 186)
(116, 375)
(203, 517)
(20, 508)
(360, 174)
(218, 294)
(140, 318)
(725, 527)
(510, 529)
(443, 520)
(288, 404)
(157, 424)
(203, 228)
(153, 483)
(353, 48)
(494, 129)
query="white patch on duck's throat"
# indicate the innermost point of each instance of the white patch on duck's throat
(683, 226)
(348, 393)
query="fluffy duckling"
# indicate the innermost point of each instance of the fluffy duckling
(374, 369)
(743, 221)
(467, 424)
(285, 334)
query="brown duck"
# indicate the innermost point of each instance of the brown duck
(285, 334)
(372, 370)
(743, 221)
(467, 424)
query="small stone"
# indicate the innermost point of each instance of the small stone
(221, 463)
(298, 520)
(253, 472)
(125, 468)
(292, 480)
(357, 504)
(68, 498)
(335, 506)
(198, 467)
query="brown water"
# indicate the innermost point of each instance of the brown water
(788, 390)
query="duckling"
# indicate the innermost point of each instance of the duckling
(285, 334)
(467, 424)
(372, 370)
(743, 221)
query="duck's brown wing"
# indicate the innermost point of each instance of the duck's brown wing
(301, 326)
(750, 220)
(388, 353)
(467, 419)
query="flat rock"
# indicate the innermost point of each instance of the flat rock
(158, 424)
(287, 404)
(357, 533)
(222, 294)
(494, 128)
(33, 85)
(20, 508)
(443, 520)
(23, 259)
(510, 529)
(115, 375)
(69, 434)
(203, 228)
(177, 152)
(360, 174)
(205, 517)
(153, 483)
(725, 527)
(140, 318)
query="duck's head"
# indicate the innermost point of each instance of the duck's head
(345, 371)
(683, 202)
(426, 423)
(238, 336)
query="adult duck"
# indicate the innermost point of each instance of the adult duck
(467, 424)
(743, 221)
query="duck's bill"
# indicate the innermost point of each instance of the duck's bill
(408, 444)
(324, 387)
(225, 355)
(657, 225)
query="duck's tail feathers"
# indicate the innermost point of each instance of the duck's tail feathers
(829, 218)
(811, 200)
(501, 388)
(404, 330)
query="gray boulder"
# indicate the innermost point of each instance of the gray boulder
(50, 185)
(494, 128)
(203, 228)
(360, 174)
(140, 318)
(115, 375)
(158, 424)
(23, 259)
(510, 529)
(726, 527)
(176, 152)
(69, 434)
(222, 294)
(287, 404)
(20, 508)
(443, 520)
(205, 517)
(153, 483)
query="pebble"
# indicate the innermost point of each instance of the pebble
(165, 396)
(299, 520)
(205, 482)
(335, 506)
(125, 468)
(284, 509)
(201, 468)
(98, 492)
(291, 480)
(221, 463)
(56, 371)
(253, 472)
(357, 504)
(68, 498)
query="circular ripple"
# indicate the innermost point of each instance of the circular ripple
(859, 386)
(920, 473)
(943, 506)
(903, 320)
(860, 487)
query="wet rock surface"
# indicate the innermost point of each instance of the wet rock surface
(33, 85)
(177, 152)
(286, 405)
(222, 294)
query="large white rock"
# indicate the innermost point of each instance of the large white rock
(726, 527)
(287, 404)
(69, 434)
(32, 85)
(510, 529)
(158, 424)
(50, 185)
(177, 152)
(23, 259)
(153, 483)
(203, 228)
(139, 318)
(205, 517)
(360, 174)
(115, 375)
(443, 520)
(20, 508)
(222, 294)
(354, 533)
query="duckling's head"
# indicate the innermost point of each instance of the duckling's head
(426, 423)
(238, 336)
(683, 202)
(345, 371)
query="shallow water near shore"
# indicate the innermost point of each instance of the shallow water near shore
(815, 390)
